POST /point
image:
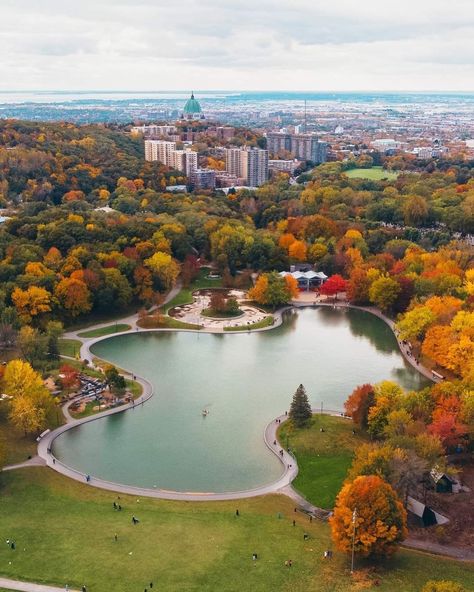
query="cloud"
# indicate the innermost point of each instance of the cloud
(302, 44)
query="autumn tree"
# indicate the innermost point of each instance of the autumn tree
(31, 303)
(27, 415)
(388, 397)
(271, 289)
(74, 296)
(300, 408)
(164, 269)
(384, 292)
(369, 512)
(415, 322)
(358, 404)
(333, 285)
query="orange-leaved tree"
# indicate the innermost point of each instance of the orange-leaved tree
(358, 404)
(371, 507)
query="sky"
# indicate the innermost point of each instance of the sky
(147, 45)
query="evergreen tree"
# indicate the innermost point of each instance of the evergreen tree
(300, 409)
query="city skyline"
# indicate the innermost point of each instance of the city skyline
(207, 45)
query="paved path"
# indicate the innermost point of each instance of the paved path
(28, 586)
(445, 550)
(36, 461)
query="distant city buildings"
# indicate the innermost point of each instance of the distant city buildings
(246, 163)
(300, 146)
(386, 145)
(150, 131)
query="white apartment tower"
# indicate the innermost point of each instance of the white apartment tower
(159, 150)
(185, 161)
(248, 163)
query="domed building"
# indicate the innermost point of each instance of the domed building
(192, 110)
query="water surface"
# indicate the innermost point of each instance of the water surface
(244, 380)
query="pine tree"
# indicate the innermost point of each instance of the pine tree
(300, 409)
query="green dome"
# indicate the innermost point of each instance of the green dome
(192, 106)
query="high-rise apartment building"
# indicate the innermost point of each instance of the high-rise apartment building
(185, 161)
(159, 150)
(203, 179)
(301, 146)
(248, 163)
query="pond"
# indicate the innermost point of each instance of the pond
(244, 381)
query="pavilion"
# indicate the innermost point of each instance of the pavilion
(307, 280)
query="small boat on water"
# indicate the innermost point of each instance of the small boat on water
(205, 412)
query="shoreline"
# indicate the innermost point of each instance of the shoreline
(281, 485)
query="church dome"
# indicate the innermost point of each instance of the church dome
(192, 106)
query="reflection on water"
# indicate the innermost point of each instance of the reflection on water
(245, 380)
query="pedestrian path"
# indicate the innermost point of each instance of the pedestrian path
(36, 461)
(29, 587)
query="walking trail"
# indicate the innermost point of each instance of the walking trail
(28, 586)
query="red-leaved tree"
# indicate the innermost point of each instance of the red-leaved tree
(333, 285)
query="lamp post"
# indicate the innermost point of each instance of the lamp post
(354, 518)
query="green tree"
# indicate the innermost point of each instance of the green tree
(300, 409)
(383, 292)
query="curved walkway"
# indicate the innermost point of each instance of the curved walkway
(29, 586)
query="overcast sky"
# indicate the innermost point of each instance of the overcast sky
(237, 44)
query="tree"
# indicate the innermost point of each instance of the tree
(388, 397)
(443, 586)
(33, 346)
(371, 508)
(415, 322)
(333, 285)
(164, 269)
(21, 380)
(3, 455)
(358, 404)
(384, 292)
(116, 381)
(27, 415)
(271, 289)
(69, 376)
(358, 286)
(74, 296)
(31, 303)
(300, 409)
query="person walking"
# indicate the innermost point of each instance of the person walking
(83, 589)
(115, 537)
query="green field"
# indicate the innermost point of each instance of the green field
(109, 330)
(64, 533)
(69, 347)
(323, 457)
(373, 174)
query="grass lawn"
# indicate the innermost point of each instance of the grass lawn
(18, 446)
(373, 174)
(109, 330)
(216, 314)
(323, 457)
(69, 347)
(64, 533)
(266, 322)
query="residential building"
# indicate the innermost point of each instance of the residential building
(283, 166)
(301, 146)
(159, 150)
(185, 161)
(203, 179)
(150, 131)
(250, 164)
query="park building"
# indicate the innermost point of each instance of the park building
(192, 110)
(307, 278)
